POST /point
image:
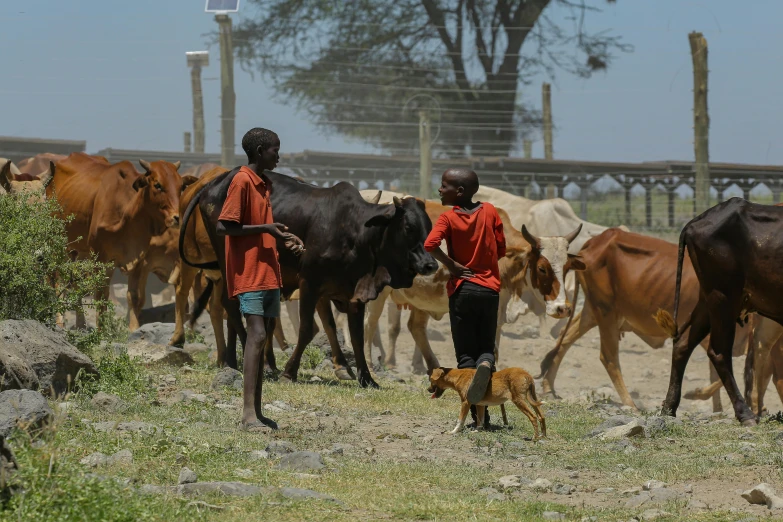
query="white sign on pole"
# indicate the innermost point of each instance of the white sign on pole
(222, 6)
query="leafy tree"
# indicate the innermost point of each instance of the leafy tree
(364, 68)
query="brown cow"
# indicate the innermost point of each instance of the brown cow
(116, 211)
(39, 164)
(628, 277)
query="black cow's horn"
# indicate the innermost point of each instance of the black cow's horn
(377, 197)
(570, 237)
(397, 202)
(530, 238)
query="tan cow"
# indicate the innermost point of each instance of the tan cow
(12, 181)
(628, 278)
(116, 210)
(427, 297)
(39, 163)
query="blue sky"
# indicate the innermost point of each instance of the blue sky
(114, 73)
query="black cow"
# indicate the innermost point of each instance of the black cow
(736, 248)
(353, 250)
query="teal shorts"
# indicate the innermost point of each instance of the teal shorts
(262, 302)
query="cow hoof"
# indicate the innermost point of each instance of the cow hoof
(344, 375)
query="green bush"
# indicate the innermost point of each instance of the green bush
(33, 255)
(311, 357)
(119, 375)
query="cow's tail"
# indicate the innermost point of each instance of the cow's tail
(201, 303)
(213, 265)
(549, 357)
(750, 366)
(663, 317)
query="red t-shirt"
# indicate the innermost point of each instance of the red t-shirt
(475, 240)
(251, 261)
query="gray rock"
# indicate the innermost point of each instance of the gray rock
(35, 357)
(187, 476)
(541, 484)
(26, 409)
(151, 489)
(107, 402)
(652, 514)
(563, 489)
(604, 490)
(279, 447)
(654, 497)
(653, 484)
(611, 422)
(94, 460)
(553, 515)
(510, 481)
(632, 429)
(174, 356)
(301, 461)
(492, 494)
(231, 489)
(243, 473)
(124, 457)
(763, 494)
(153, 333)
(259, 455)
(228, 378)
(194, 348)
(190, 395)
(660, 425)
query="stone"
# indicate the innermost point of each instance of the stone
(122, 457)
(194, 348)
(174, 356)
(243, 473)
(611, 422)
(259, 455)
(653, 484)
(231, 489)
(492, 494)
(638, 500)
(151, 489)
(652, 514)
(94, 460)
(228, 378)
(563, 489)
(573, 475)
(553, 515)
(152, 333)
(604, 490)
(763, 494)
(190, 395)
(107, 402)
(34, 357)
(509, 481)
(277, 448)
(632, 429)
(187, 476)
(657, 425)
(541, 484)
(301, 461)
(697, 504)
(25, 409)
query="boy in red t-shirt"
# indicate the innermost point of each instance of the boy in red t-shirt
(252, 268)
(474, 237)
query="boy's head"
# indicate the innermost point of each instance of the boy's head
(457, 186)
(262, 147)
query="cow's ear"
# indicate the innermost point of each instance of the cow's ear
(140, 183)
(575, 263)
(383, 218)
(188, 180)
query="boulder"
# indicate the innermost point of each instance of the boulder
(152, 333)
(763, 494)
(23, 408)
(632, 429)
(227, 378)
(301, 461)
(187, 476)
(34, 357)
(107, 402)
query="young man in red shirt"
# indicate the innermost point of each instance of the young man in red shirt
(252, 267)
(474, 238)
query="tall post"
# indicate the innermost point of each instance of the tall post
(198, 109)
(701, 121)
(227, 96)
(527, 147)
(187, 142)
(546, 94)
(425, 156)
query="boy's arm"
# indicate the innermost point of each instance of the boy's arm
(232, 228)
(432, 245)
(500, 237)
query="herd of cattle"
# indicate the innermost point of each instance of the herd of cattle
(366, 248)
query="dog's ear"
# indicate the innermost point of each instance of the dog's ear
(435, 374)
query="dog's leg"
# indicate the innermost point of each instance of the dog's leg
(463, 414)
(524, 408)
(480, 412)
(503, 412)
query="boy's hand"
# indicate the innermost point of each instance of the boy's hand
(459, 271)
(290, 241)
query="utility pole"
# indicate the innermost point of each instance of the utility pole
(227, 96)
(701, 122)
(546, 95)
(187, 141)
(425, 156)
(527, 147)
(197, 60)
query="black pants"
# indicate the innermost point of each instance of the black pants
(473, 312)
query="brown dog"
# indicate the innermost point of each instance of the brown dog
(513, 384)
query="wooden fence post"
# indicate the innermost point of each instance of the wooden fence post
(701, 121)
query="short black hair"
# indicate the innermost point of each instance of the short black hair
(255, 138)
(465, 178)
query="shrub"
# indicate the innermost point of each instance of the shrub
(119, 375)
(33, 255)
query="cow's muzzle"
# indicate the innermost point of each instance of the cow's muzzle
(560, 311)
(424, 264)
(173, 221)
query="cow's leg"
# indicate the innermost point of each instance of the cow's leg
(723, 328)
(356, 327)
(374, 311)
(716, 402)
(216, 318)
(765, 335)
(279, 335)
(229, 357)
(308, 299)
(394, 319)
(187, 277)
(342, 370)
(270, 365)
(610, 357)
(101, 297)
(504, 299)
(681, 353)
(417, 324)
(582, 323)
(776, 362)
(136, 294)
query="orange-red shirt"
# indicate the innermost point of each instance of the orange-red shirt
(475, 240)
(251, 261)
